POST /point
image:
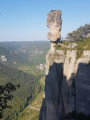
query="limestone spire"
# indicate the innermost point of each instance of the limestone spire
(54, 23)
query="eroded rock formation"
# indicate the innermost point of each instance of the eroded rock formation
(54, 24)
(67, 83)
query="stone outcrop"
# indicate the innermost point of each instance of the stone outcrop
(67, 84)
(76, 78)
(54, 24)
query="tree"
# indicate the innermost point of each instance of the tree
(78, 34)
(5, 96)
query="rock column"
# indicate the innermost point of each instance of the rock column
(50, 104)
(54, 24)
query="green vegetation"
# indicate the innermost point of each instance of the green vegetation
(28, 114)
(78, 34)
(26, 56)
(80, 46)
(29, 88)
(3, 51)
(12, 57)
(5, 96)
(37, 101)
(31, 112)
(24, 53)
(69, 59)
(52, 10)
(58, 46)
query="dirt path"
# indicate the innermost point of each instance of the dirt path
(33, 108)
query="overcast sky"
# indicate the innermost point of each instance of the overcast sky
(25, 20)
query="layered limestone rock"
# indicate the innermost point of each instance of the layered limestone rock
(76, 82)
(82, 83)
(67, 84)
(53, 82)
(67, 81)
(54, 24)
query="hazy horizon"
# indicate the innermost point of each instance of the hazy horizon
(28, 41)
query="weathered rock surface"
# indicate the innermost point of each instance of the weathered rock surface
(54, 24)
(67, 85)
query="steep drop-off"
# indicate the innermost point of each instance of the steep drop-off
(67, 84)
(67, 81)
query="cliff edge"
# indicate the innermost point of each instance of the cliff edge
(67, 81)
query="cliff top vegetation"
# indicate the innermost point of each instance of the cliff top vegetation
(79, 34)
(79, 46)
(74, 45)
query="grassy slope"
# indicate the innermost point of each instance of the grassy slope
(31, 112)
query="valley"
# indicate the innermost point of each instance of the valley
(23, 63)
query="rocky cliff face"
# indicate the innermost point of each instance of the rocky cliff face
(67, 84)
